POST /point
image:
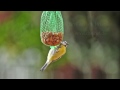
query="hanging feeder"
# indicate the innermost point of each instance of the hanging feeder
(51, 28)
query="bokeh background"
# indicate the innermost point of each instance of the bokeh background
(93, 51)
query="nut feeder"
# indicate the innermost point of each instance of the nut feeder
(51, 28)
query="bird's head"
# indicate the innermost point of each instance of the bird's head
(64, 43)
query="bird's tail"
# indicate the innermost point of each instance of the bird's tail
(45, 66)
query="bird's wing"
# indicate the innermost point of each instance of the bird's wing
(51, 52)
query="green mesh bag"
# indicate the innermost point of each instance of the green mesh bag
(51, 21)
(51, 25)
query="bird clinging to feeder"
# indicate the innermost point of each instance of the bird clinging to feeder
(51, 33)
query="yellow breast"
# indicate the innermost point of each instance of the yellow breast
(61, 51)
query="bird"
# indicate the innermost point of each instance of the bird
(55, 53)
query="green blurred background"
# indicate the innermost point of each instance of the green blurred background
(93, 51)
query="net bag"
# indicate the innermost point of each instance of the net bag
(51, 28)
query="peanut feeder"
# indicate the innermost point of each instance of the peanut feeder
(51, 28)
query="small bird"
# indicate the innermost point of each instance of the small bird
(55, 53)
